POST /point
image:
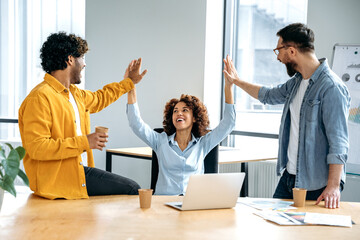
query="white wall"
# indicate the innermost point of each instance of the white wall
(170, 37)
(335, 21)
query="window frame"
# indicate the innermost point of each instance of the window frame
(24, 27)
(229, 46)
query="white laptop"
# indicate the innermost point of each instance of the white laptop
(211, 191)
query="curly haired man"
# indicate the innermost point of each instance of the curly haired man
(54, 122)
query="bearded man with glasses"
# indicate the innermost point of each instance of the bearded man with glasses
(313, 138)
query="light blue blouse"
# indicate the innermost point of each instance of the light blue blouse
(176, 166)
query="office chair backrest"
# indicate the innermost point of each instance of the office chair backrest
(210, 163)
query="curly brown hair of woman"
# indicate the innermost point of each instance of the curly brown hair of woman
(200, 127)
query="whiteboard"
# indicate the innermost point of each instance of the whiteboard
(346, 64)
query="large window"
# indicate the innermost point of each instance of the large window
(251, 27)
(24, 26)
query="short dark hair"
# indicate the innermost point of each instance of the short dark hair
(58, 47)
(201, 124)
(299, 35)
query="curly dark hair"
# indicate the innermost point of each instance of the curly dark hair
(200, 127)
(58, 47)
(298, 34)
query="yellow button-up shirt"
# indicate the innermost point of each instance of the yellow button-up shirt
(48, 133)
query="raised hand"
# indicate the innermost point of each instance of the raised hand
(133, 71)
(230, 72)
(232, 77)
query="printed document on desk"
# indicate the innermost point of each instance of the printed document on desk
(328, 219)
(266, 203)
(305, 218)
(283, 218)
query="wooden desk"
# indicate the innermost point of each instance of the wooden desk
(139, 152)
(227, 155)
(119, 217)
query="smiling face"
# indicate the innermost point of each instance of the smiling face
(76, 71)
(182, 117)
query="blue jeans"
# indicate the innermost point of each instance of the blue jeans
(100, 182)
(287, 183)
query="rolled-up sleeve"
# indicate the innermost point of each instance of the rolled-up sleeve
(335, 108)
(262, 94)
(278, 94)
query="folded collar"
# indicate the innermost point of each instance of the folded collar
(54, 83)
(172, 139)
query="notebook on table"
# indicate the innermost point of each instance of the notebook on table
(211, 191)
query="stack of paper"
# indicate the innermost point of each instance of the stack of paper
(302, 218)
(277, 211)
(283, 218)
(328, 219)
(266, 203)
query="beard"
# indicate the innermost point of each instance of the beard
(75, 75)
(290, 68)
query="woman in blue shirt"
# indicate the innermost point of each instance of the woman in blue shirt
(185, 142)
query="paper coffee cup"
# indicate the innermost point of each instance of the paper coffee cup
(100, 129)
(299, 196)
(145, 196)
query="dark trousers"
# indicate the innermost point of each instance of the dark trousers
(100, 182)
(287, 183)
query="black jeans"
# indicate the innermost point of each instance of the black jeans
(287, 183)
(100, 182)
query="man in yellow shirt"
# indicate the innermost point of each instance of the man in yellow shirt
(54, 122)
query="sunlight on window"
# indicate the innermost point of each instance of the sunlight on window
(256, 23)
(24, 26)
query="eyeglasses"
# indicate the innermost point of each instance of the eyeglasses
(276, 50)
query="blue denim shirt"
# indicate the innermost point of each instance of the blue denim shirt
(176, 166)
(323, 130)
